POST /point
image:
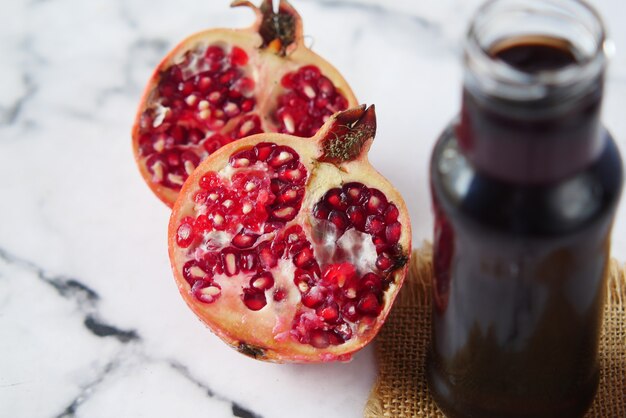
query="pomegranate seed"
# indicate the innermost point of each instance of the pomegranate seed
(369, 305)
(321, 210)
(294, 176)
(267, 257)
(201, 224)
(374, 225)
(303, 258)
(206, 292)
(238, 56)
(372, 282)
(356, 215)
(349, 312)
(210, 180)
(339, 219)
(336, 200)
(336, 275)
(377, 203)
(284, 213)
(279, 295)
(214, 53)
(280, 156)
(290, 195)
(319, 338)
(330, 312)
(184, 235)
(356, 193)
(244, 239)
(204, 84)
(303, 280)
(392, 233)
(230, 260)
(248, 261)
(391, 214)
(343, 332)
(272, 226)
(314, 297)
(262, 281)
(263, 150)
(192, 272)
(384, 262)
(255, 300)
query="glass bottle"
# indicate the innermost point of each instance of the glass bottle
(525, 184)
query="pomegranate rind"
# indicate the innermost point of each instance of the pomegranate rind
(254, 334)
(267, 88)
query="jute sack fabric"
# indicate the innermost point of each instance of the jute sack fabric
(401, 389)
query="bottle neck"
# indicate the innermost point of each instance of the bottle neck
(533, 90)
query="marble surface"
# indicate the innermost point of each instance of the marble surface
(91, 324)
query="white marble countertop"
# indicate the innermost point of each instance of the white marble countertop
(91, 323)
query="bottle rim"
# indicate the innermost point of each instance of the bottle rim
(496, 78)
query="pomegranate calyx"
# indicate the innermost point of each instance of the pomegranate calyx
(347, 134)
(279, 30)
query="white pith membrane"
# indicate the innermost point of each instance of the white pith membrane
(203, 101)
(285, 318)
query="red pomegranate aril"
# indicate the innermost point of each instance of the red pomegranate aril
(391, 214)
(238, 56)
(314, 297)
(262, 281)
(244, 239)
(290, 194)
(336, 200)
(185, 235)
(254, 299)
(248, 261)
(384, 262)
(350, 312)
(206, 292)
(321, 210)
(339, 219)
(210, 181)
(284, 213)
(330, 312)
(356, 193)
(263, 150)
(267, 258)
(304, 257)
(336, 275)
(230, 260)
(374, 225)
(369, 305)
(356, 215)
(371, 282)
(272, 226)
(192, 272)
(377, 203)
(201, 224)
(280, 156)
(242, 159)
(295, 175)
(279, 295)
(393, 232)
(320, 338)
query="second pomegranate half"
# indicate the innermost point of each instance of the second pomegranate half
(290, 249)
(224, 84)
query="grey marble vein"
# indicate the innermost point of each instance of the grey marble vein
(238, 410)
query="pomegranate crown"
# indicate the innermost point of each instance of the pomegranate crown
(348, 134)
(279, 29)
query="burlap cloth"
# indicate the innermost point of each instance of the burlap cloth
(401, 389)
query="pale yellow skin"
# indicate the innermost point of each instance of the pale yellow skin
(266, 69)
(227, 317)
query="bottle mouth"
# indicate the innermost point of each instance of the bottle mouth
(571, 22)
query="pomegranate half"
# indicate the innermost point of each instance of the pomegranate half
(292, 250)
(223, 84)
